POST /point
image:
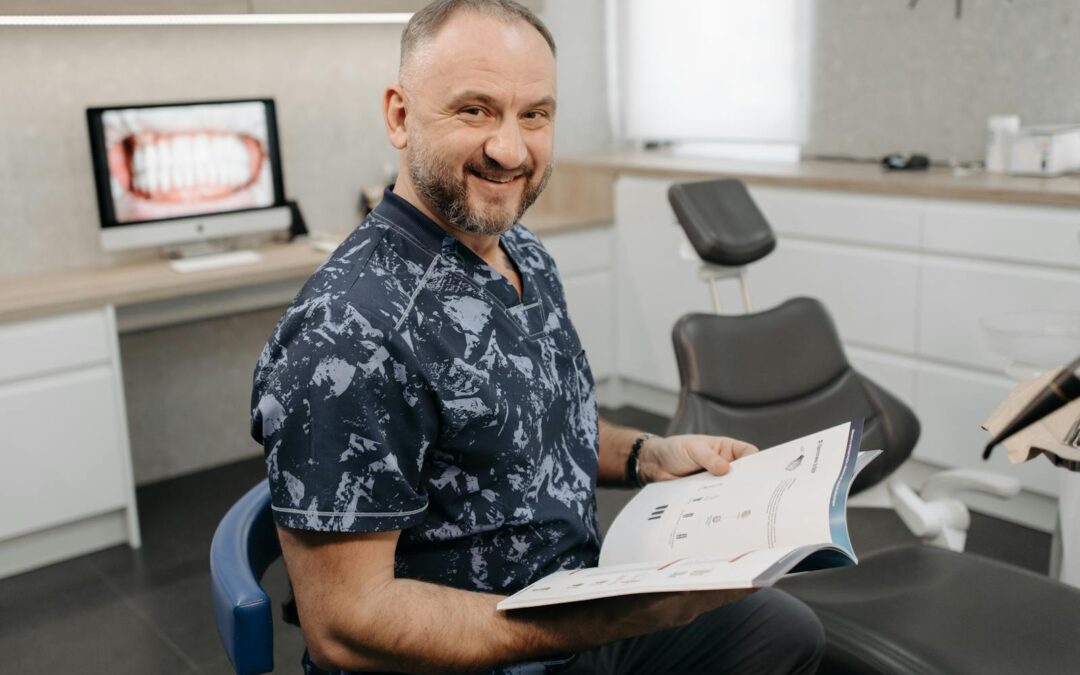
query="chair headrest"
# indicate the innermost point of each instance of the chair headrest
(722, 221)
(759, 359)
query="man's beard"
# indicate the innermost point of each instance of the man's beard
(446, 192)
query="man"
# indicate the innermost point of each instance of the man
(430, 418)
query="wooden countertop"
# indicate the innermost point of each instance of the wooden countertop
(30, 296)
(132, 283)
(845, 176)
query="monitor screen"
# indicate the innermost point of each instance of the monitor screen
(168, 161)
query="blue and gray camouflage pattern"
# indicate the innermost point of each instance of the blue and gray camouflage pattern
(408, 388)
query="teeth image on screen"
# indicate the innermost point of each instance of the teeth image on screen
(191, 166)
(169, 162)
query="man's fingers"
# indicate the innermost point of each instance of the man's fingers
(742, 449)
(690, 453)
(732, 449)
(714, 461)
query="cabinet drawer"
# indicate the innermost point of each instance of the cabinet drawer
(53, 344)
(885, 221)
(61, 450)
(1037, 235)
(872, 295)
(957, 295)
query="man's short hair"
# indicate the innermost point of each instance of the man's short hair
(424, 24)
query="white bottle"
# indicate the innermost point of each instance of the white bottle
(999, 132)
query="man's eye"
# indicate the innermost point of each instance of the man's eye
(472, 111)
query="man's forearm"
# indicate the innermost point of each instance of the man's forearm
(412, 626)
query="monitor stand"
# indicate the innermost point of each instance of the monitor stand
(202, 256)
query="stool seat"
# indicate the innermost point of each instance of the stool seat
(918, 609)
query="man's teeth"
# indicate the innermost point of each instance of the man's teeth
(183, 162)
(495, 179)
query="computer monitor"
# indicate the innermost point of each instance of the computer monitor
(181, 173)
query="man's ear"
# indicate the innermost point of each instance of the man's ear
(394, 114)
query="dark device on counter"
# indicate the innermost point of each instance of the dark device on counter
(1061, 390)
(900, 162)
(297, 225)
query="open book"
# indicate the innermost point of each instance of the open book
(777, 511)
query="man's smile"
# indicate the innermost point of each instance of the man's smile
(495, 179)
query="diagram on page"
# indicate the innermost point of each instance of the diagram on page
(766, 500)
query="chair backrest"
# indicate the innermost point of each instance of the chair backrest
(244, 545)
(722, 222)
(780, 374)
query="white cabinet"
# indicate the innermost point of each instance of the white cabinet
(957, 294)
(871, 294)
(907, 281)
(53, 345)
(1033, 235)
(60, 450)
(590, 299)
(585, 260)
(67, 482)
(841, 216)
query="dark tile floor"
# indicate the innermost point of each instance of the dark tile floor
(148, 611)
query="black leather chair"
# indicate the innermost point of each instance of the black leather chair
(782, 373)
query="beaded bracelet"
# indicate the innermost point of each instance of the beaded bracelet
(633, 469)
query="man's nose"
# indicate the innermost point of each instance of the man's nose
(507, 145)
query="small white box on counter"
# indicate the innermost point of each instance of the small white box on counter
(1044, 150)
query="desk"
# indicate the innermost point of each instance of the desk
(65, 448)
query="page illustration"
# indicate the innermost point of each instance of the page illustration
(766, 500)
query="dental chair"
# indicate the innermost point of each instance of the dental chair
(782, 373)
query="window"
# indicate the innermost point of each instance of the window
(728, 72)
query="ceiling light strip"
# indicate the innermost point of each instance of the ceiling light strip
(206, 19)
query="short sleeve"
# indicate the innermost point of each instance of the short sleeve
(345, 416)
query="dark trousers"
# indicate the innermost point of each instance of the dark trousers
(767, 632)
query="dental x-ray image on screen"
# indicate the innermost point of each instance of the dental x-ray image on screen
(174, 161)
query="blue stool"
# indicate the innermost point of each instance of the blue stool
(244, 545)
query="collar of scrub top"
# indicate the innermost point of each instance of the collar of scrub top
(401, 212)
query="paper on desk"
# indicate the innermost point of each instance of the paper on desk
(1054, 435)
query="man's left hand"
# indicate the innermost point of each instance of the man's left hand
(677, 456)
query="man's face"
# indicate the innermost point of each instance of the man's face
(480, 124)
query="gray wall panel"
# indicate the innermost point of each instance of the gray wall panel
(886, 77)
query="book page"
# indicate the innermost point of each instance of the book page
(785, 496)
(681, 575)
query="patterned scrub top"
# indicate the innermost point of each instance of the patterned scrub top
(408, 388)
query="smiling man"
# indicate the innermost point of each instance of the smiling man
(429, 417)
